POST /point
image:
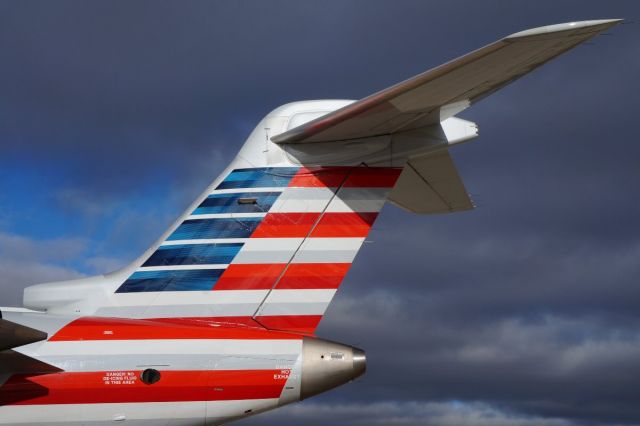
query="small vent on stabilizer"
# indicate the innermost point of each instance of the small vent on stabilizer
(242, 201)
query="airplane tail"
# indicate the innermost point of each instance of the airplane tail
(269, 244)
(265, 245)
(270, 241)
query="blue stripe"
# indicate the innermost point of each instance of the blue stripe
(262, 177)
(194, 254)
(228, 203)
(171, 281)
(199, 229)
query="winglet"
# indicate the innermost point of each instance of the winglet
(588, 26)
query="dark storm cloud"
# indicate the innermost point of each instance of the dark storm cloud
(104, 82)
(522, 312)
(466, 326)
(406, 413)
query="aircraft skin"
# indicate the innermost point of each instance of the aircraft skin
(216, 321)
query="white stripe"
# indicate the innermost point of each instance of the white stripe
(268, 244)
(205, 241)
(361, 200)
(45, 414)
(301, 200)
(302, 296)
(185, 362)
(249, 243)
(260, 244)
(315, 200)
(170, 347)
(221, 297)
(164, 412)
(225, 215)
(284, 309)
(358, 206)
(327, 244)
(181, 267)
(280, 250)
(313, 250)
(188, 297)
(241, 190)
(328, 250)
(229, 310)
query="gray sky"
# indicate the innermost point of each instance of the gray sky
(525, 311)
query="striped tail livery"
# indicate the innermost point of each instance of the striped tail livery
(217, 320)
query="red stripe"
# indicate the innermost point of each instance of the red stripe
(344, 225)
(92, 328)
(126, 386)
(285, 225)
(373, 177)
(239, 322)
(319, 177)
(297, 276)
(313, 276)
(249, 277)
(333, 177)
(305, 324)
(298, 225)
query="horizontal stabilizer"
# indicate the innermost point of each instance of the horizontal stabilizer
(270, 241)
(431, 184)
(12, 362)
(444, 91)
(13, 335)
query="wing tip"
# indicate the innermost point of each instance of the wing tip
(596, 25)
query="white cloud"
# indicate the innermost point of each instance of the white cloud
(402, 413)
(25, 262)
